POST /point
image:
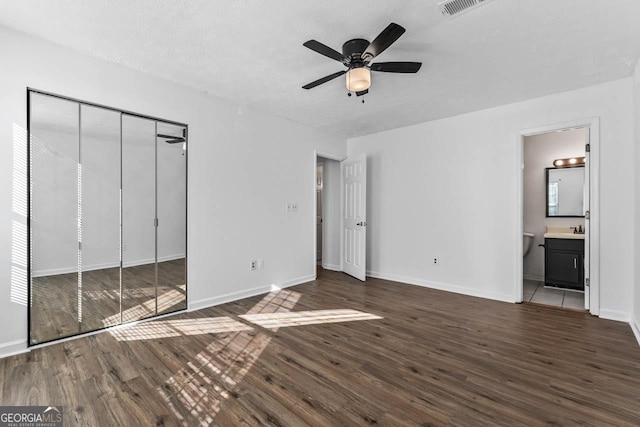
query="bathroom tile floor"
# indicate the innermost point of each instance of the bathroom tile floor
(534, 291)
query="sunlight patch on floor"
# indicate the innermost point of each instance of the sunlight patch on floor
(275, 302)
(312, 317)
(174, 328)
(148, 308)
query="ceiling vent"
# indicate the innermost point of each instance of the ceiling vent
(453, 8)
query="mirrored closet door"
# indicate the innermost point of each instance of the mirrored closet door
(107, 217)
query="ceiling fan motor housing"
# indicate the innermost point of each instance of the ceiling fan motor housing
(353, 49)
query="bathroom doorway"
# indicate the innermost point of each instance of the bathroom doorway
(557, 200)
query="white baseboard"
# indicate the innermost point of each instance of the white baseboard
(150, 260)
(620, 316)
(13, 347)
(74, 269)
(331, 267)
(234, 296)
(635, 327)
(230, 297)
(533, 277)
(296, 281)
(70, 270)
(443, 286)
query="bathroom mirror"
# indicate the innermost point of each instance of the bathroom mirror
(565, 192)
(107, 217)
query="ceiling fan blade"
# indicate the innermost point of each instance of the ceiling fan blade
(383, 41)
(362, 92)
(396, 67)
(325, 50)
(324, 80)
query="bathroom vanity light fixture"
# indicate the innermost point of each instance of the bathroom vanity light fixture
(569, 163)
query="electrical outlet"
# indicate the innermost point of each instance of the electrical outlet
(253, 264)
(436, 262)
(292, 207)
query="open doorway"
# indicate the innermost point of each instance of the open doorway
(327, 226)
(319, 204)
(553, 218)
(558, 205)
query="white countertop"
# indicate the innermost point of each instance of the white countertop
(563, 236)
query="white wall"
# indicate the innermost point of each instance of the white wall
(331, 215)
(244, 166)
(449, 189)
(539, 153)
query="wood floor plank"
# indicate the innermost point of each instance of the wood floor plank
(433, 358)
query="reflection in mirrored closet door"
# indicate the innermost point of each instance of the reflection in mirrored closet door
(171, 207)
(138, 218)
(54, 158)
(107, 217)
(99, 217)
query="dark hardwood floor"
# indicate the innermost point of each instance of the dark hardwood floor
(338, 352)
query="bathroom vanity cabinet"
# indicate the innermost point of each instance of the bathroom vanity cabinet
(564, 263)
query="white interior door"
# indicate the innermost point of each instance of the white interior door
(354, 216)
(587, 222)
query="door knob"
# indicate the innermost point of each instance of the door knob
(362, 224)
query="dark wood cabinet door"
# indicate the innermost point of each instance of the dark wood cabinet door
(563, 268)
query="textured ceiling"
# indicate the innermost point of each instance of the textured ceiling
(251, 52)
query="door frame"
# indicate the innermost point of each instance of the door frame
(320, 166)
(593, 123)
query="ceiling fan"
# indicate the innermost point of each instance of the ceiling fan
(357, 55)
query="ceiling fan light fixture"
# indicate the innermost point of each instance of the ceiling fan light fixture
(358, 79)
